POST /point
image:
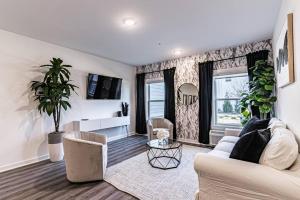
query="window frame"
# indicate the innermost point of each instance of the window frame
(148, 101)
(214, 124)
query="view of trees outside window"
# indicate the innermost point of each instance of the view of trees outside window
(227, 95)
(156, 99)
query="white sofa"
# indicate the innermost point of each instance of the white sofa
(221, 177)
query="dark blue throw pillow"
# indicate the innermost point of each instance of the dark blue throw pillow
(254, 124)
(251, 145)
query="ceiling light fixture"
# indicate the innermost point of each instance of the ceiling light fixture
(177, 52)
(129, 22)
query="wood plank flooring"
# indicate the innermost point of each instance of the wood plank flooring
(45, 180)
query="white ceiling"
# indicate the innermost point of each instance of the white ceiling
(95, 26)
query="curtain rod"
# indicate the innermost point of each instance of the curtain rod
(232, 58)
(212, 60)
(155, 71)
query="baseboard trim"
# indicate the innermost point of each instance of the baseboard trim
(188, 141)
(23, 163)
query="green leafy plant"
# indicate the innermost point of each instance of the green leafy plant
(261, 93)
(53, 92)
(245, 110)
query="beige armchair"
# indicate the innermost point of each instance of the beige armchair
(85, 156)
(156, 124)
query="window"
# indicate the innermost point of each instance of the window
(155, 99)
(226, 98)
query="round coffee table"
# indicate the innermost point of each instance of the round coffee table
(164, 154)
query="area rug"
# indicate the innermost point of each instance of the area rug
(136, 177)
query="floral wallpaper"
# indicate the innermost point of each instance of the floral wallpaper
(187, 72)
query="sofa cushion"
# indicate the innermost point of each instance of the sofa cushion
(225, 146)
(281, 151)
(230, 139)
(251, 145)
(254, 124)
(276, 123)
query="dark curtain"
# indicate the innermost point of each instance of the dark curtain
(140, 104)
(205, 100)
(251, 59)
(170, 97)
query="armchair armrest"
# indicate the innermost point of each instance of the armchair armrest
(170, 126)
(168, 123)
(94, 137)
(100, 138)
(232, 132)
(149, 129)
(149, 123)
(248, 176)
(83, 142)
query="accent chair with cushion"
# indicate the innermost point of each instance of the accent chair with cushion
(276, 176)
(156, 124)
(85, 156)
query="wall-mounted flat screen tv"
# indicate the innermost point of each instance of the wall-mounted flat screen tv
(103, 87)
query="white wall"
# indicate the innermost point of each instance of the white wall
(288, 104)
(23, 130)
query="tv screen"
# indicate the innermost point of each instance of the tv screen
(103, 87)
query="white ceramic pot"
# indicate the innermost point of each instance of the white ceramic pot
(55, 146)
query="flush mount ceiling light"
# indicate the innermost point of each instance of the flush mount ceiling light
(177, 52)
(129, 22)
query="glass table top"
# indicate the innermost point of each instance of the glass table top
(160, 144)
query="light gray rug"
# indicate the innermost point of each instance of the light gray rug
(136, 177)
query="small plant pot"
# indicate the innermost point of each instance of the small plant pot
(119, 114)
(55, 146)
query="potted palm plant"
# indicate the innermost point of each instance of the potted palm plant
(52, 95)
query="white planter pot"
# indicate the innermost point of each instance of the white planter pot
(56, 152)
(55, 147)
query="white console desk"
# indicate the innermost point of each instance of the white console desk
(104, 123)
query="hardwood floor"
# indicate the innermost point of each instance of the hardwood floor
(46, 180)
